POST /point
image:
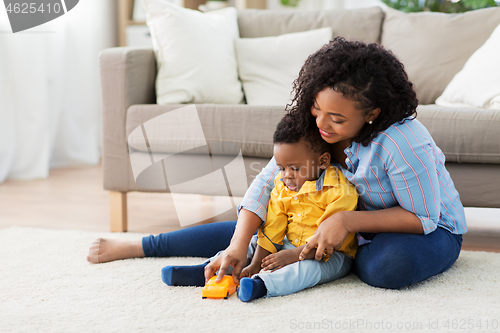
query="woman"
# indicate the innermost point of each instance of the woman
(410, 218)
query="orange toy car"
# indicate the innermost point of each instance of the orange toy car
(222, 289)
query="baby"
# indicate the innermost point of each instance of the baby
(307, 191)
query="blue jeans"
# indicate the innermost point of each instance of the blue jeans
(394, 260)
(199, 241)
(305, 274)
(391, 260)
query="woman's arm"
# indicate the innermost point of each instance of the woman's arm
(411, 161)
(252, 211)
(395, 219)
(333, 231)
(236, 253)
(257, 196)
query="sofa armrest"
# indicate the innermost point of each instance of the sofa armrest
(127, 78)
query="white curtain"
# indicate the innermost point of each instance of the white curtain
(50, 105)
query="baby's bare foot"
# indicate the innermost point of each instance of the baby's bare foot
(104, 250)
(280, 259)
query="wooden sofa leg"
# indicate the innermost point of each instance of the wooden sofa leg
(118, 211)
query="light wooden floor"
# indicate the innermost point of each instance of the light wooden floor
(74, 199)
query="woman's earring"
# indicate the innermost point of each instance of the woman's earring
(370, 122)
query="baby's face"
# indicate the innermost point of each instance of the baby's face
(298, 164)
(337, 117)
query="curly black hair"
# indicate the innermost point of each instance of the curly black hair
(288, 131)
(366, 73)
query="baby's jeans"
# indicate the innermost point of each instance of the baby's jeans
(305, 274)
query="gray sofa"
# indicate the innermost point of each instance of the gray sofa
(433, 48)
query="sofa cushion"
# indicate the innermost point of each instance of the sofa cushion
(435, 46)
(362, 24)
(478, 184)
(195, 54)
(478, 83)
(464, 134)
(249, 127)
(268, 65)
(188, 175)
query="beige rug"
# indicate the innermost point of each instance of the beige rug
(46, 285)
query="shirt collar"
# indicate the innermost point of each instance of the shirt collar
(321, 180)
(328, 177)
(352, 149)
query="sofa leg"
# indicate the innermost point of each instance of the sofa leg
(118, 211)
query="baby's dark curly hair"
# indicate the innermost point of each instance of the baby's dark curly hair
(288, 131)
(366, 73)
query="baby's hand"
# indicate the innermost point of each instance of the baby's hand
(249, 271)
(280, 259)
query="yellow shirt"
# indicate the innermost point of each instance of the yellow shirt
(297, 215)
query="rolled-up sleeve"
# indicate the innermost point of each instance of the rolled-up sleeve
(257, 196)
(414, 178)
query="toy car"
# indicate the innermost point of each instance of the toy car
(222, 289)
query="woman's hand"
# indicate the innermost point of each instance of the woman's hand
(235, 255)
(329, 236)
(332, 233)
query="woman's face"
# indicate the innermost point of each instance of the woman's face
(337, 117)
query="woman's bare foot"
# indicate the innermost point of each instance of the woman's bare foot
(104, 250)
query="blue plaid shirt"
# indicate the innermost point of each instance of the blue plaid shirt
(401, 166)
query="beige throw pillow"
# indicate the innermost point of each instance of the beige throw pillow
(434, 46)
(194, 53)
(268, 65)
(478, 83)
